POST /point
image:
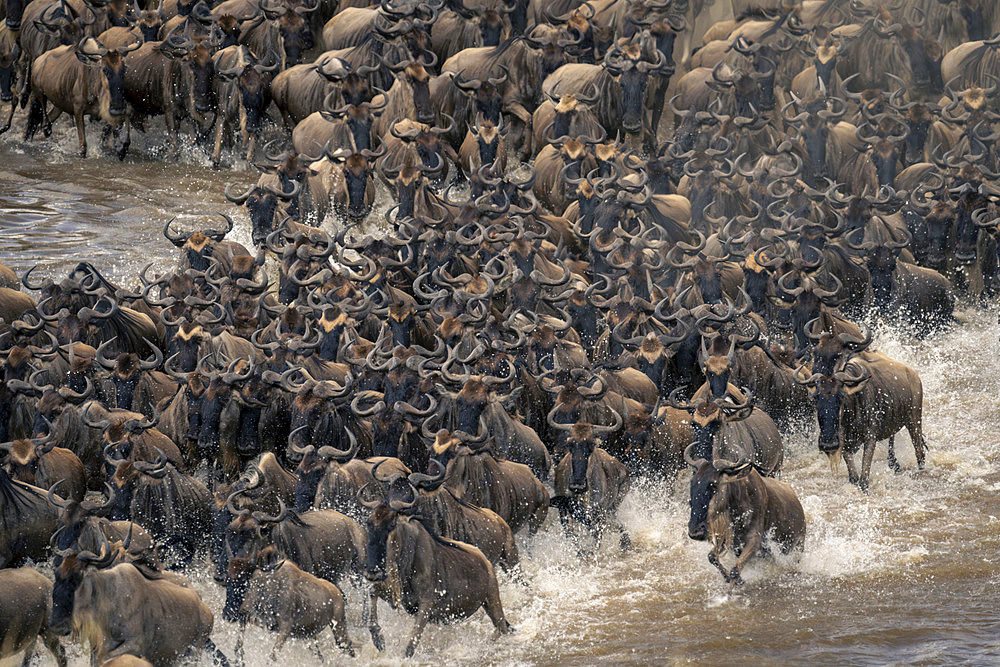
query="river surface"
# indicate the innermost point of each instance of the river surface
(905, 575)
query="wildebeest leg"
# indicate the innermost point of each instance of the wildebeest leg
(51, 641)
(893, 463)
(50, 118)
(494, 609)
(537, 519)
(81, 132)
(377, 639)
(36, 113)
(624, 541)
(25, 92)
(423, 615)
(125, 141)
(279, 642)
(866, 465)
(713, 558)
(10, 118)
(29, 652)
(340, 636)
(751, 548)
(916, 431)
(171, 122)
(220, 124)
(852, 468)
(220, 657)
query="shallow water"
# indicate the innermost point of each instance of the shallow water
(905, 575)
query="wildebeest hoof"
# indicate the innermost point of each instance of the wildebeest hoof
(410, 650)
(625, 542)
(377, 639)
(734, 578)
(863, 485)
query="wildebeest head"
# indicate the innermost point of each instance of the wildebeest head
(413, 75)
(581, 443)
(149, 24)
(61, 21)
(221, 401)
(924, 56)
(186, 343)
(387, 511)
(69, 574)
(918, 121)
(202, 71)
(112, 84)
(119, 14)
(831, 393)
(807, 301)
(632, 74)
(355, 179)
(198, 246)
(23, 456)
(315, 418)
(717, 364)
(127, 370)
(296, 36)
(78, 522)
(15, 12)
(487, 94)
(813, 123)
(708, 416)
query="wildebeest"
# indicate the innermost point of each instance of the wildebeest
(40, 463)
(127, 609)
(590, 483)
(174, 507)
(743, 512)
(325, 543)
(427, 575)
(25, 605)
(85, 79)
(474, 475)
(283, 598)
(867, 398)
(455, 519)
(27, 521)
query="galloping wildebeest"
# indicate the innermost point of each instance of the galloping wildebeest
(434, 578)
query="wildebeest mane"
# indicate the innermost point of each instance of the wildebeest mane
(13, 494)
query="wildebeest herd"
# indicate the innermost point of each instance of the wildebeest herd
(573, 289)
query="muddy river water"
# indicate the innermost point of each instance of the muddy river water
(907, 574)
